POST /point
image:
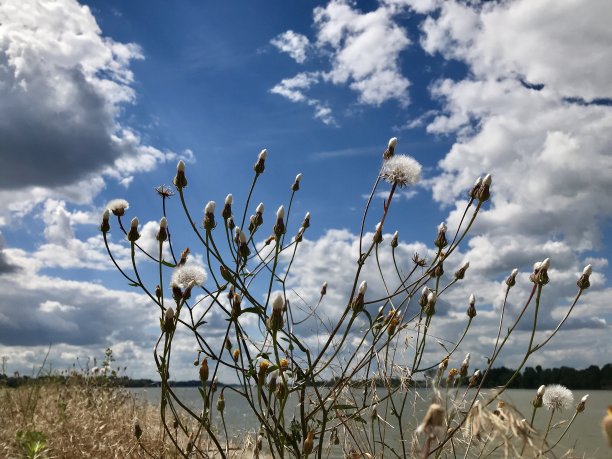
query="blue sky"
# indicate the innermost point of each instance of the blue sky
(103, 98)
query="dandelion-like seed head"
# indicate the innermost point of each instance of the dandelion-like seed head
(118, 206)
(558, 397)
(401, 170)
(188, 275)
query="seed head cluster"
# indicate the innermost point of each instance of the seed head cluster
(187, 275)
(401, 170)
(558, 397)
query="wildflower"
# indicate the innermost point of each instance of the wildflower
(118, 207)
(460, 273)
(227, 208)
(105, 226)
(133, 234)
(308, 442)
(180, 181)
(324, 288)
(263, 369)
(209, 216)
(357, 303)
(279, 228)
(583, 282)
(401, 170)
(283, 364)
(390, 151)
(164, 191)
(394, 242)
(162, 234)
(424, 295)
(582, 404)
(204, 371)
(230, 223)
(430, 307)
(471, 311)
(221, 403)
(296, 183)
(440, 240)
(538, 400)
(260, 165)
(511, 281)
(433, 422)
(188, 276)
(377, 239)
(452, 374)
(417, 260)
(557, 397)
(275, 321)
(306, 222)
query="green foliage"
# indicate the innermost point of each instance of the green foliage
(32, 444)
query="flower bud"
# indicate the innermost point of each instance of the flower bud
(430, 307)
(227, 208)
(581, 405)
(158, 292)
(511, 281)
(236, 355)
(540, 272)
(324, 288)
(279, 228)
(394, 239)
(275, 321)
(471, 311)
(475, 188)
(465, 365)
(263, 369)
(162, 233)
(474, 379)
(204, 371)
(538, 400)
(296, 183)
(584, 282)
(357, 303)
(221, 403)
(306, 222)
(283, 364)
(133, 234)
(105, 226)
(236, 310)
(424, 295)
(308, 443)
(433, 420)
(440, 240)
(460, 273)
(260, 165)
(209, 216)
(180, 181)
(377, 239)
(390, 151)
(483, 193)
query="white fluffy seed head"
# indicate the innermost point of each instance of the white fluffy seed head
(134, 222)
(180, 166)
(278, 302)
(401, 170)
(280, 213)
(545, 264)
(117, 205)
(163, 223)
(210, 207)
(298, 178)
(263, 154)
(442, 227)
(472, 299)
(588, 270)
(229, 199)
(557, 397)
(189, 275)
(487, 180)
(237, 231)
(260, 208)
(363, 287)
(392, 142)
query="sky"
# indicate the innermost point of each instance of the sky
(101, 99)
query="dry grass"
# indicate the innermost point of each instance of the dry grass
(78, 420)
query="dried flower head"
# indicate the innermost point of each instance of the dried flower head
(164, 191)
(118, 206)
(558, 397)
(401, 170)
(188, 275)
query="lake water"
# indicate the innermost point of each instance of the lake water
(585, 434)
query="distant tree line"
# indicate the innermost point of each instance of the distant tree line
(591, 378)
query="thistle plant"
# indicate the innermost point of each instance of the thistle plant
(352, 391)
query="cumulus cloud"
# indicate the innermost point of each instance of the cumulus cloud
(363, 52)
(63, 88)
(294, 44)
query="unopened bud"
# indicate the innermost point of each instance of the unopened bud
(324, 288)
(133, 234)
(584, 281)
(105, 226)
(430, 307)
(424, 295)
(209, 216)
(306, 222)
(465, 365)
(390, 151)
(460, 273)
(483, 193)
(236, 355)
(540, 272)
(204, 371)
(162, 234)
(475, 188)
(394, 239)
(275, 321)
(581, 405)
(279, 228)
(377, 239)
(221, 403)
(357, 303)
(296, 183)
(511, 280)
(309, 442)
(168, 326)
(440, 240)
(471, 311)
(180, 181)
(227, 208)
(260, 165)
(236, 310)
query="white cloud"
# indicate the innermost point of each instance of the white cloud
(63, 85)
(294, 44)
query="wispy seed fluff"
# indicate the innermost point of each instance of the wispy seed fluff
(188, 275)
(558, 397)
(401, 170)
(118, 206)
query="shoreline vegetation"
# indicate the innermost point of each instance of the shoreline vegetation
(590, 378)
